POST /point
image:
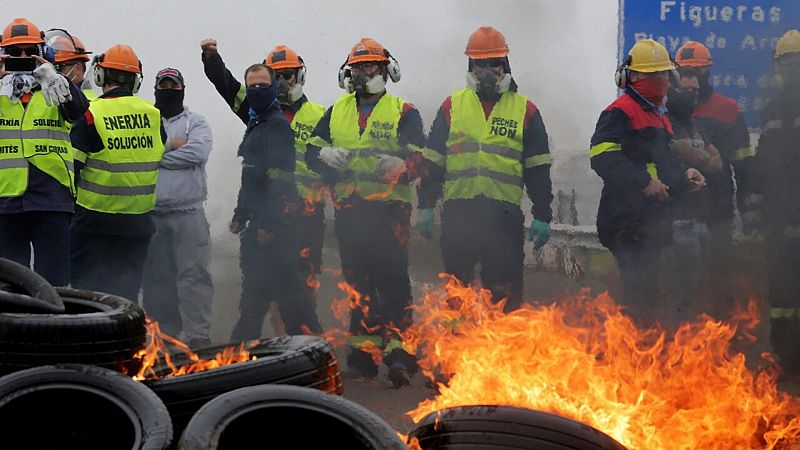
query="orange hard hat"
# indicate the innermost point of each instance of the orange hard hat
(21, 31)
(282, 57)
(67, 48)
(367, 50)
(693, 54)
(486, 43)
(120, 57)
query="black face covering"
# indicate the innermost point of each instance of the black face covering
(705, 86)
(261, 97)
(169, 101)
(681, 104)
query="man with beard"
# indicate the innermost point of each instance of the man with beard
(722, 123)
(360, 146)
(630, 152)
(303, 115)
(177, 289)
(688, 273)
(486, 143)
(776, 180)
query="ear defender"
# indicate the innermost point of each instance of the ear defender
(301, 72)
(621, 75)
(393, 67)
(345, 75)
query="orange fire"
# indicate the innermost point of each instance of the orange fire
(584, 359)
(341, 308)
(157, 351)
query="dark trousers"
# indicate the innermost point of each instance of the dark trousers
(107, 263)
(783, 260)
(373, 246)
(270, 274)
(491, 233)
(48, 232)
(638, 265)
(311, 230)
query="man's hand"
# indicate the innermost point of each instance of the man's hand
(695, 179)
(54, 86)
(656, 190)
(209, 46)
(235, 227)
(263, 236)
(177, 143)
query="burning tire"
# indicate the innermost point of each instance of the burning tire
(252, 417)
(499, 427)
(26, 290)
(297, 360)
(95, 328)
(85, 407)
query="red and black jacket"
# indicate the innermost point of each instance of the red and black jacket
(630, 134)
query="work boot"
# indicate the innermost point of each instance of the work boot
(360, 365)
(402, 367)
(784, 337)
(398, 375)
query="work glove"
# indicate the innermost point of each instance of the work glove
(54, 86)
(391, 167)
(425, 222)
(334, 157)
(539, 233)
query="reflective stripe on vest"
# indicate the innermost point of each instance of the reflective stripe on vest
(121, 178)
(379, 138)
(484, 156)
(309, 183)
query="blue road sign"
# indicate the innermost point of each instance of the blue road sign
(741, 36)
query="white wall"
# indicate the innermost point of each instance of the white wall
(563, 55)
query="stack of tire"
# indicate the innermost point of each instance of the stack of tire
(68, 355)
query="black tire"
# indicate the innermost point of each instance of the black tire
(26, 290)
(251, 417)
(97, 329)
(77, 406)
(307, 361)
(506, 427)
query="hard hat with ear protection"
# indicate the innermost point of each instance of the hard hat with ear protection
(368, 50)
(66, 47)
(119, 57)
(486, 43)
(283, 57)
(646, 56)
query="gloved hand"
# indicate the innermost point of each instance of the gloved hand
(391, 167)
(54, 86)
(334, 157)
(425, 222)
(540, 231)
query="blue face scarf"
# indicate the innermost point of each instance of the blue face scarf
(262, 97)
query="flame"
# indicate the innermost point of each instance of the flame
(157, 351)
(584, 359)
(305, 252)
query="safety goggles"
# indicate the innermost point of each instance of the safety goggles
(285, 74)
(16, 51)
(488, 63)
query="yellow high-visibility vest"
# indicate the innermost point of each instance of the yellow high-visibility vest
(36, 134)
(121, 178)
